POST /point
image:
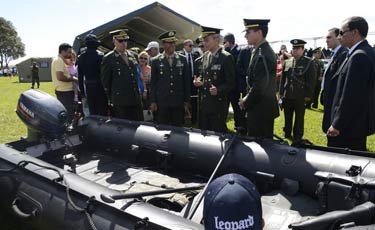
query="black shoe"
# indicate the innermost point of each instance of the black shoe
(287, 136)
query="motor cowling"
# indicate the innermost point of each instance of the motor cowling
(43, 114)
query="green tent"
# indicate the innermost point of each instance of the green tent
(144, 25)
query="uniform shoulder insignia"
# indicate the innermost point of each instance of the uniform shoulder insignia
(109, 53)
(226, 53)
(199, 58)
(156, 57)
(180, 55)
(131, 53)
(288, 63)
(100, 53)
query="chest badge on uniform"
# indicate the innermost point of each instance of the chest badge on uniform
(179, 64)
(216, 67)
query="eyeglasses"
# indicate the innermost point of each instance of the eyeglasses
(143, 58)
(122, 40)
(343, 32)
(190, 45)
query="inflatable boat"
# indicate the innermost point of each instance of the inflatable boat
(120, 174)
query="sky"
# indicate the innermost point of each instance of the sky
(43, 25)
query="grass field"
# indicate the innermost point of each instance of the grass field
(12, 128)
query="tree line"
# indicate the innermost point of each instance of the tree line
(11, 46)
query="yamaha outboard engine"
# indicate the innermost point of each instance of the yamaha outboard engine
(44, 115)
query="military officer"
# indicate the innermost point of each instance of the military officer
(34, 75)
(170, 83)
(119, 78)
(317, 53)
(296, 88)
(260, 101)
(215, 78)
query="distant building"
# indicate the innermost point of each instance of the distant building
(24, 69)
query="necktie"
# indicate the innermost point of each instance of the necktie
(170, 60)
(125, 57)
(190, 63)
(252, 55)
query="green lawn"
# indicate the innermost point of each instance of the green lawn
(12, 128)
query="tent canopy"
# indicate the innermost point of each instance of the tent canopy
(144, 25)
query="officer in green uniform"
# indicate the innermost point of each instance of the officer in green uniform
(317, 54)
(260, 101)
(34, 75)
(119, 78)
(215, 77)
(170, 83)
(296, 88)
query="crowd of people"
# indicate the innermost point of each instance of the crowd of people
(8, 72)
(197, 86)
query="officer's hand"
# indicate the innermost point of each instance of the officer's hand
(197, 81)
(241, 103)
(213, 90)
(332, 132)
(307, 99)
(153, 107)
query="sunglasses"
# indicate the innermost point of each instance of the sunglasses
(143, 58)
(122, 40)
(343, 32)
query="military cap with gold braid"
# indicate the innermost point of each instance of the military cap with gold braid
(208, 31)
(199, 40)
(298, 43)
(316, 50)
(255, 23)
(169, 36)
(119, 34)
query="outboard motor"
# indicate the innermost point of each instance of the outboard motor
(43, 115)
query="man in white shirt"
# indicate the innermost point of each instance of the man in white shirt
(62, 80)
(329, 84)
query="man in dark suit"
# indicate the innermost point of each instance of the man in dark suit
(329, 84)
(353, 115)
(234, 95)
(170, 83)
(190, 58)
(260, 101)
